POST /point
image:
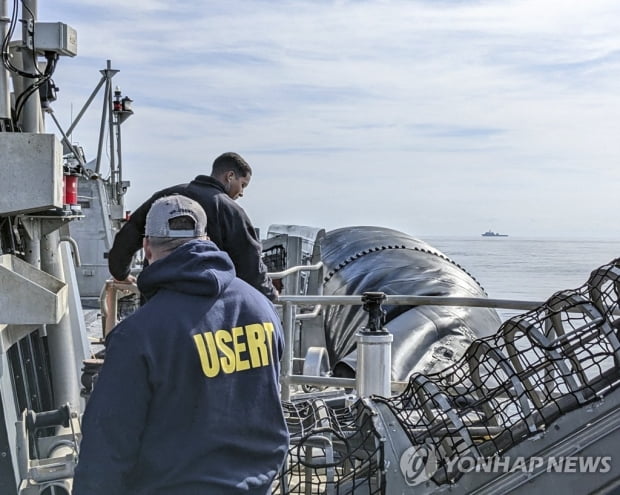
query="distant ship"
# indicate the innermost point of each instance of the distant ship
(490, 233)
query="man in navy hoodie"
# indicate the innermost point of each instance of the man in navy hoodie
(187, 401)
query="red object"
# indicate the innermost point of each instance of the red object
(71, 189)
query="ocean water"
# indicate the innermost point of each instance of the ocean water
(519, 268)
(526, 269)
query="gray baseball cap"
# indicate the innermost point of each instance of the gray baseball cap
(165, 209)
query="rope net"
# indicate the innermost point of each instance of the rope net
(514, 384)
(507, 387)
(334, 450)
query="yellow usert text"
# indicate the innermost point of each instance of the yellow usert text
(239, 349)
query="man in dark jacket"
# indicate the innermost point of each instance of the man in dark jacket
(229, 226)
(187, 400)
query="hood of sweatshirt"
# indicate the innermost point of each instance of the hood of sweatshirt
(197, 267)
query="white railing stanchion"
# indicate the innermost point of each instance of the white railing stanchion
(287, 358)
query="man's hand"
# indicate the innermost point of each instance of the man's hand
(131, 280)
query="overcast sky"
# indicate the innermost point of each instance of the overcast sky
(431, 117)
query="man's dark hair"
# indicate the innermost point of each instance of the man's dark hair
(231, 161)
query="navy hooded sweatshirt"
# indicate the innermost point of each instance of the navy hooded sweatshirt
(187, 401)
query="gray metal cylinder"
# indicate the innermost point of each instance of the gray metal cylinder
(65, 376)
(31, 114)
(5, 107)
(374, 370)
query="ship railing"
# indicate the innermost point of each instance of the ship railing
(113, 290)
(296, 269)
(290, 303)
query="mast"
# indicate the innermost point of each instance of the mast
(42, 344)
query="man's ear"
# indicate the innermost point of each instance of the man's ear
(146, 245)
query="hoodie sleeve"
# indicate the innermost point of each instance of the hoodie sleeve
(127, 242)
(242, 245)
(129, 239)
(114, 419)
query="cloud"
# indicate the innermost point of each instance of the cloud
(477, 108)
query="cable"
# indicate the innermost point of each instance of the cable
(41, 77)
(6, 60)
(21, 100)
(34, 48)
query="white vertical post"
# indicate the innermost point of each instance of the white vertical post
(287, 358)
(374, 363)
(374, 350)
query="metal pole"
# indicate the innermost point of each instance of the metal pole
(288, 318)
(32, 107)
(324, 381)
(86, 105)
(119, 167)
(65, 139)
(102, 128)
(481, 302)
(296, 269)
(110, 102)
(59, 339)
(5, 101)
(106, 75)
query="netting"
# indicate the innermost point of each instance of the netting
(514, 384)
(506, 388)
(334, 450)
(275, 258)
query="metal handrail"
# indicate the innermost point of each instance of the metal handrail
(108, 302)
(109, 298)
(313, 314)
(404, 300)
(290, 317)
(295, 269)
